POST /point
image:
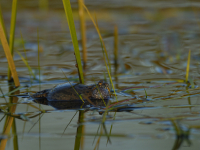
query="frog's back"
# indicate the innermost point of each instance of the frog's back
(67, 91)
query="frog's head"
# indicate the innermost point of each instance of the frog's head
(101, 90)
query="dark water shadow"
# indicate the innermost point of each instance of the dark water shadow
(72, 104)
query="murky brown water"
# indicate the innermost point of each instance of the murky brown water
(154, 40)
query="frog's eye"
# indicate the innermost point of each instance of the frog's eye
(100, 82)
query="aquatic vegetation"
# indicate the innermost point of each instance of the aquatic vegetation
(154, 81)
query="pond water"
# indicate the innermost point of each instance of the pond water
(156, 108)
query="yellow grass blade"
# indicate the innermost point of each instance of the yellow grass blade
(70, 20)
(103, 48)
(188, 67)
(2, 22)
(9, 56)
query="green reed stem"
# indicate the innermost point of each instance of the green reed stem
(83, 31)
(15, 138)
(79, 130)
(70, 20)
(12, 31)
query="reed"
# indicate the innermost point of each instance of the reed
(83, 32)
(70, 20)
(12, 32)
(44, 5)
(80, 130)
(15, 137)
(2, 22)
(115, 48)
(188, 67)
(104, 48)
(9, 56)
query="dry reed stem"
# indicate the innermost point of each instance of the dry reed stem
(9, 56)
(12, 32)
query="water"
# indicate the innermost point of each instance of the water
(154, 40)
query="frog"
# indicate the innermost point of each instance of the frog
(75, 91)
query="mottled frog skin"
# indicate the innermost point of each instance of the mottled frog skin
(65, 92)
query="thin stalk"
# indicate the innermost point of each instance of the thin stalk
(104, 48)
(79, 130)
(116, 47)
(12, 32)
(70, 20)
(27, 65)
(69, 123)
(83, 31)
(188, 67)
(15, 138)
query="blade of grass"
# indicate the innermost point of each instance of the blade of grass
(69, 123)
(70, 20)
(26, 59)
(3, 94)
(40, 116)
(12, 32)
(73, 88)
(9, 56)
(16, 89)
(111, 127)
(101, 39)
(83, 31)
(27, 65)
(188, 67)
(102, 42)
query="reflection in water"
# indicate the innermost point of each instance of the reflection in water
(10, 121)
(72, 104)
